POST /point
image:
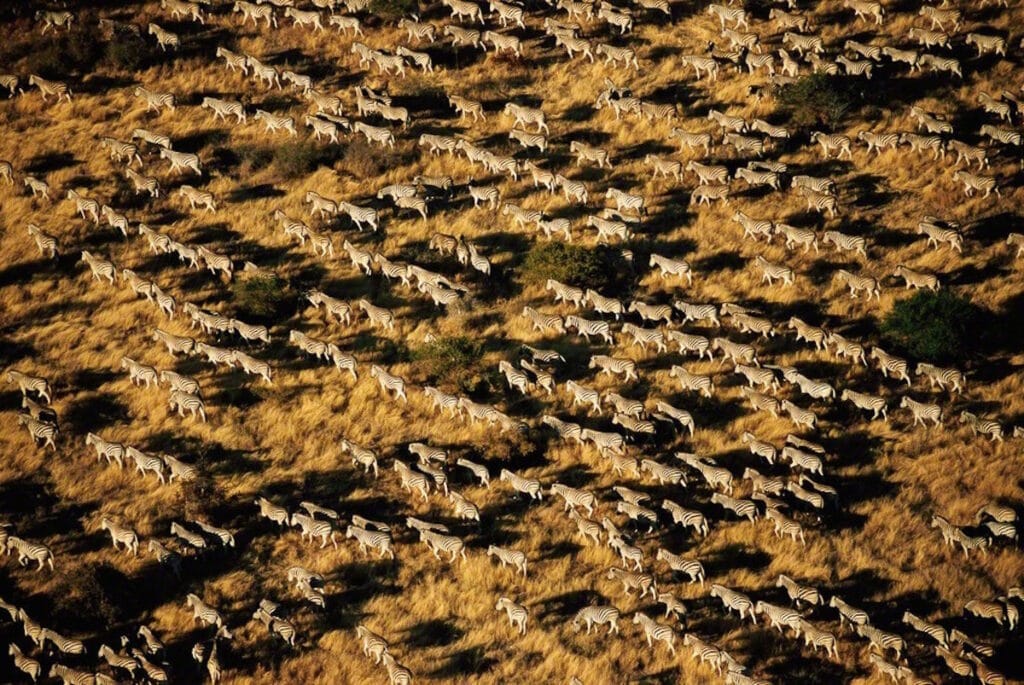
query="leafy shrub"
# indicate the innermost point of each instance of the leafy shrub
(128, 50)
(253, 158)
(448, 357)
(819, 99)
(363, 161)
(934, 326)
(393, 9)
(600, 268)
(261, 295)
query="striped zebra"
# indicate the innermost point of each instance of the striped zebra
(527, 486)
(46, 87)
(977, 182)
(857, 284)
(174, 343)
(361, 215)
(273, 512)
(164, 38)
(891, 364)
(1001, 135)
(250, 332)
(10, 82)
(509, 557)
(715, 476)
(772, 272)
(597, 615)
(981, 426)
(799, 593)
(542, 322)
(846, 243)
(734, 352)
(442, 400)
(941, 232)
(275, 122)
(314, 528)
(142, 183)
(876, 405)
(919, 143)
(916, 279)
(832, 142)
(691, 381)
(607, 229)
(154, 100)
(779, 617)
(1001, 109)
(856, 617)
(878, 142)
(522, 217)
(663, 473)
(85, 206)
(375, 134)
(44, 242)
(389, 383)
(145, 463)
(182, 160)
(478, 470)
(39, 429)
(184, 401)
(688, 518)
(71, 676)
(224, 536)
(311, 346)
(936, 63)
(120, 151)
(115, 220)
(645, 336)
(757, 376)
(799, 415)
(518, 616)
(191, 539)
(815, 637)
(438, 542)
(709, 174)
(341, 310)
(655, 631)
(759, 448)
(251, 365)
(985, 609)
(1016, 240)
(373, 645)
(744, 508)
(587, 328)
(153, 672)
(121, 535)
(111, 451)
(574, 191)
(378, 316)
(30, 667)
(304, 18)
(880, 639)
(37, 187)
(375, 539)
(581, 394)
(932, 630)
(565, 429)
(603, 304)
(276, 626)
(197, 197)
(29, 551)
(697, 312)
(412, 480)
(734, 601)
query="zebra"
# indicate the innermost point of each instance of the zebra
(815, 637)
(71, 676)
(625, 200)
(973, 182)
(111, 451)
(846, 243)
(771, 271)
(754, 177)
(584, 395)
(44, 242)
(856, 67)
(734, 601)
(182, 160)
(512, 557)
(880, 639)
(856, 617)
(84, 206)
(697, 312)
(878, 142)
(866, 402)
(626, 551)
(744, 508)
(891, 364)
(542, 322)
(922, 143)
(121, 151)
(276, 626)
(30, 551)
(916, 279)
(938, 231)
(47, 87)
(1001, 135)
(143, 184)
(30, 667)
(527, 486)
(606, 229)
(224, 536)
(378, 316)
(154, 100)
(575, 191)
(663, 473)
(46, 431)
(121, 535)
(980, 426)
(379, 540)
(735, 352)
(517, 614)
(183, 401)
(932, 630)
(985, 43)
(671, 267)
(656, 631)
(645, 336)
(38, 187)
(587, 328)
(388, 382)
(412, 480)
(714, 476)
(188, 537)
(1016, 239)
(936, 63)
(164, 37)
(438, 542)
(565, 429)
(197, 197)
(857, 284)
(314, 528)
(602, 304)
(799, 593)
(779, 617)
(748, 323)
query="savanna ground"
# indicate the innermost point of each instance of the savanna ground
(281, 441)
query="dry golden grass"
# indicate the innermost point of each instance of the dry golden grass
(282, 441)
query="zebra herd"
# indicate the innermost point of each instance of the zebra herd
(657, 344)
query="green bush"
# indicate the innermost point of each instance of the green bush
(260, 295)
(819, 99)
(449, 358)
(253, 158)
(393, 9)
(600, 268)
(127, 50)
(934, 326)
(298, 159)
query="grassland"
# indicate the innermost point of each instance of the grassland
(281, 441)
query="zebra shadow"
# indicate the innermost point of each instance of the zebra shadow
(93, 411)
(49, 162)
(471, 661)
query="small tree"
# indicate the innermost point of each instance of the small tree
(261, 295)
(600, 268)
(448, 357)
(819, 99)
(934, 326)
